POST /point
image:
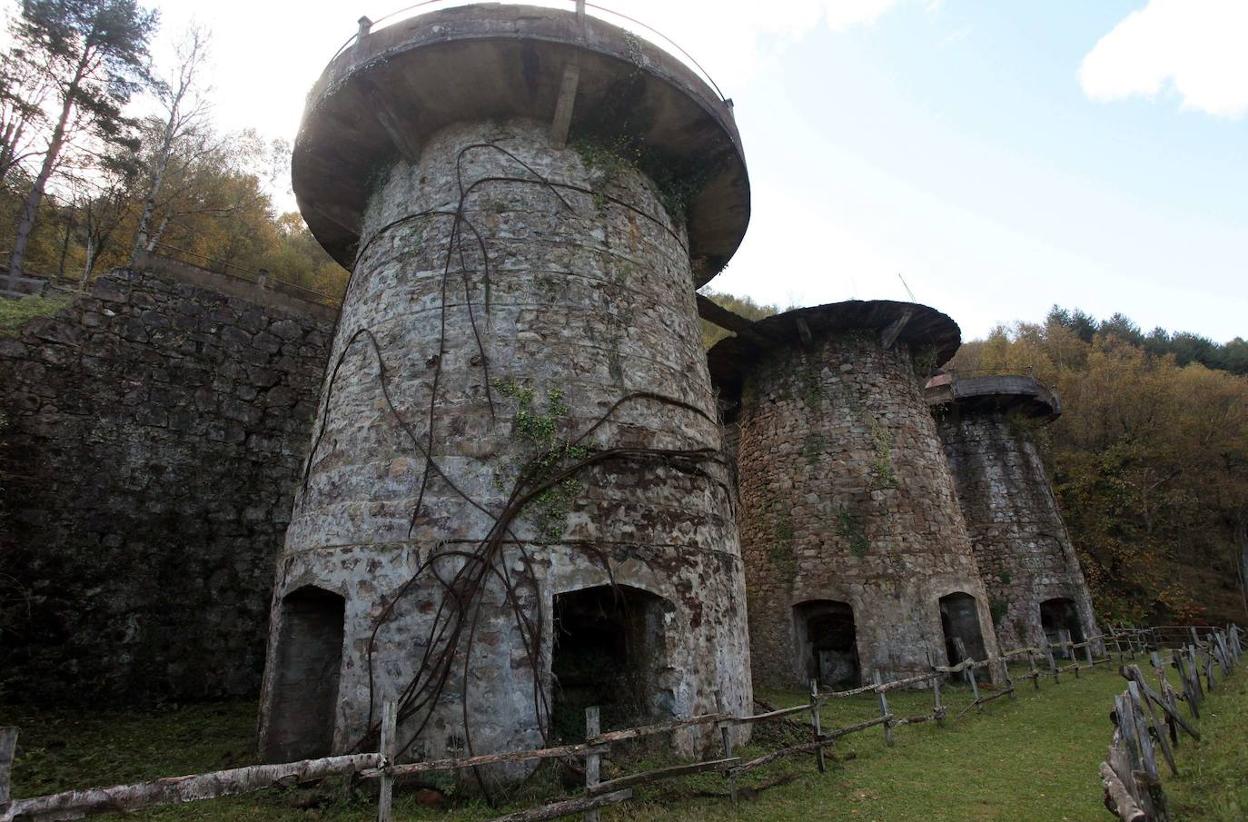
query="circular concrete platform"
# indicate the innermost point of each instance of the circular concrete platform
(380, 99)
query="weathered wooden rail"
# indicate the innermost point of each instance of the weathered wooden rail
(1148, 720)
(1127, 643)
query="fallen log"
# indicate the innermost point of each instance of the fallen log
(1118, 800)
(407, 769)
(175, 790)
(660, 774)
(566, 807)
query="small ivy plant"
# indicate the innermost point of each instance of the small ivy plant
(882, 464)
(538, 430)
(849, 528)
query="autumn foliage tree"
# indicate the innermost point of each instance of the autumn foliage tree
(92, 57)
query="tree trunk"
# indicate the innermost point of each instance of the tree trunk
(92, 253)
(30, 207)
(157, 235)
(159, 164)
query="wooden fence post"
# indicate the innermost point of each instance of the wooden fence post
(888, 724)
(1194, 663)
(1150, 717)
(968, 672)
(1035, 672)
(820, 762)
(1005, 676)
(1167, 693)
(593, 760)
(725, 735)
(1070, 653)
(1189, 695)
(938, 710)
(1087, 652)
(8, 746)
(1048, 651)
(389, 747)
(1225, 653)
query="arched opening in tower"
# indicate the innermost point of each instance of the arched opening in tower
(1060, 620)
(827, 643)
(610, 650)
(304, 694)
(959, 617)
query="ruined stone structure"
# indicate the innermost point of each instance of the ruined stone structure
(153, 432)
(515, 505)
(857, 558)
(1028, 564)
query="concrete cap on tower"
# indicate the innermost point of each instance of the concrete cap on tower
(919, 326)
(381, 98)
(996, 392)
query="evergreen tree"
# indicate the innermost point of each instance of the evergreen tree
(93, 55)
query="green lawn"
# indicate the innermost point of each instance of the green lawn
(1034, 757)
(15, 313)
(1213, 775)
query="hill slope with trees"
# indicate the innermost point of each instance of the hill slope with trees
(1149, 458)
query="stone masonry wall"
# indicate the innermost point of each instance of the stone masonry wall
(846, 496)
(153, 439)
(1023, 550)
(590, 312)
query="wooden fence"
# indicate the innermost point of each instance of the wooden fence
(1148, 720)
(1040, 663)
(16, 287)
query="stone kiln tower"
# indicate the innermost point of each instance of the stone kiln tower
(856, 555)
(514, 506)
(1025, 556)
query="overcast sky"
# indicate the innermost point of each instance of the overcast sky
(1001, 157)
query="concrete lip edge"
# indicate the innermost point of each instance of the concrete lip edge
(335, 151)
(732, 358)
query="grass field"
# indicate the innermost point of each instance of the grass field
(1034, 757)
(15, 313)
(1213, 776)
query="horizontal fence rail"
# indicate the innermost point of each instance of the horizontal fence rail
(1213, 655)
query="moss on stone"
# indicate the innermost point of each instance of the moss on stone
(16, 313)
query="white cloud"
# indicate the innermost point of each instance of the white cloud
(1198, 48)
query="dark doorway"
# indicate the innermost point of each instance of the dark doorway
(1058, 616)
(828, 643)
(305, 685)
(959, 617)
(609, 650)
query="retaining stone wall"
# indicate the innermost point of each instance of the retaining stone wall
(153, 441)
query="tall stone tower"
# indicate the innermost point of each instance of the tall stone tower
(1029, 566)
(856, 555)
(515, 504)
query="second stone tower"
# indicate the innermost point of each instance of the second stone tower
(857, 557)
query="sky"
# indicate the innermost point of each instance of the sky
(992, 159)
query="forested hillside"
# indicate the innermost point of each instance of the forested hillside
(104, 155)
(1149, 458)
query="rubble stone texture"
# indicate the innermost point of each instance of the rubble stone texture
(1024, 552)
(846, 497)
(154, 431)
(587, 308)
